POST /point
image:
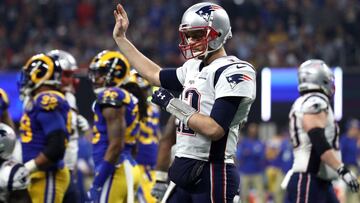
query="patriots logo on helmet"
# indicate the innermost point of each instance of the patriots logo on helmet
(236, 79)
(205, 11)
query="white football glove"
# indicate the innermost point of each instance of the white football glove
(349, 178)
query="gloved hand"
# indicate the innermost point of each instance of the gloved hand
(82, 123)
(349, 178)
(176, 107)
(93, 194)
(162, 97)
(160, 186)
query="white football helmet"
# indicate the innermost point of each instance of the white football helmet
(212, 24)
(315, 75)
(69, 68)
(66, 60)
(13, 176)
(7, 141)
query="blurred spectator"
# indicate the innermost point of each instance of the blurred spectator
(278, 33)
(279, 156)
(251, 162)
(349, 146)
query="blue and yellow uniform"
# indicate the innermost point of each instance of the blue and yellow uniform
(147, 145)
(4, 102)
(115, 187)
(48, 112)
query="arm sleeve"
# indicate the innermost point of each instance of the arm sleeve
(318, 140)
(55, 145)
(224, 110)
(169, 79)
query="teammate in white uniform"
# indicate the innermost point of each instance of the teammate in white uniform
(217, 93)
(315, 138)
(68, 86)
(14, 177)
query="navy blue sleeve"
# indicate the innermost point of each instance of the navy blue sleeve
(57, 122)
(224, 110)
(169, 80)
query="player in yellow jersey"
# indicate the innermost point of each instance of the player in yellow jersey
(116, 125)
(44, 129)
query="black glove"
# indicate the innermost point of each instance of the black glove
(161, 184)
(162, 97)
(349, 178)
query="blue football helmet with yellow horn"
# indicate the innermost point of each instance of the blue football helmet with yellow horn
(108, 69)
(39, 70)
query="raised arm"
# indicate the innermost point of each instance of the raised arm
(146, 68)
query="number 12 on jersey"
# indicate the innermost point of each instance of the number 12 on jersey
(192, 97)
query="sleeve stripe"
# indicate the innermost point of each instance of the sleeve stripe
(11, 176)
(221, 70)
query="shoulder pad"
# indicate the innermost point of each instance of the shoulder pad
(49, 100)
(314, 104)
(115, 97)
(4, 100)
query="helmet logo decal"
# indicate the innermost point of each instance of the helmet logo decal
(2, 133)
(236, 79)
(205, 12)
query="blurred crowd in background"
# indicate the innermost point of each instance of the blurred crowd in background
(279, 33)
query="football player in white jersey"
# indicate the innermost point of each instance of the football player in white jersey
(68, 86)
(315, 138)
(217, 93)
(14, 177)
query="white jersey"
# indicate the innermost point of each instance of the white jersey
(224, 77)
(305, 159)
(13, 176)
(71, 152)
